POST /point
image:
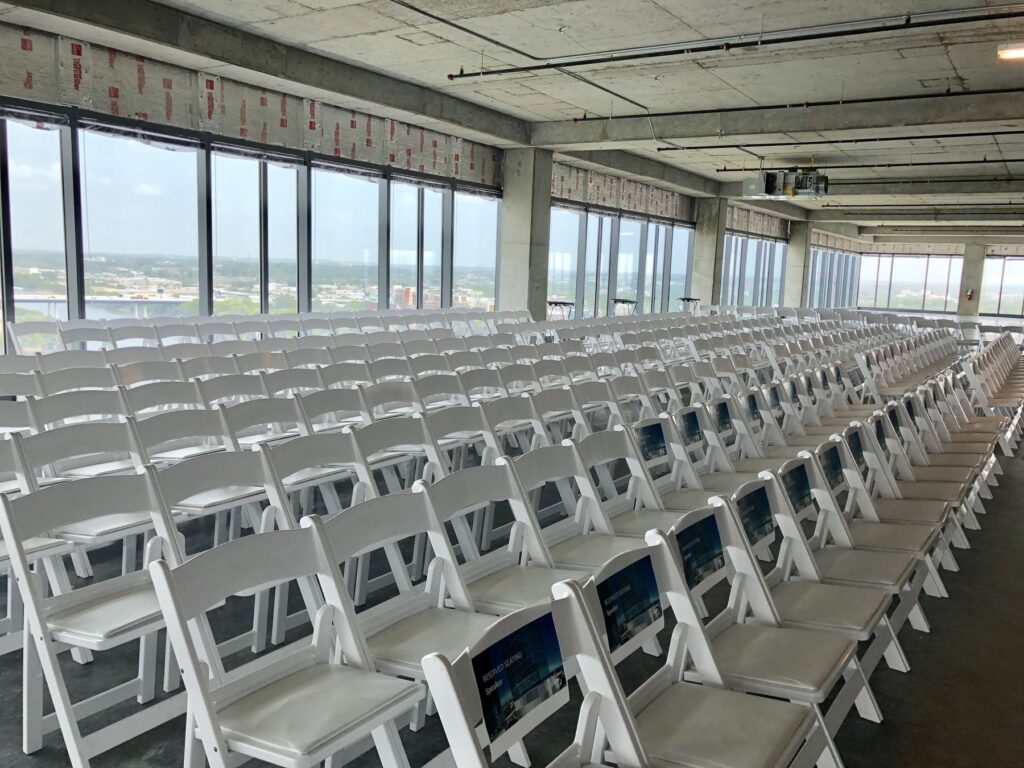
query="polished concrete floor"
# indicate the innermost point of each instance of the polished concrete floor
(960, 706)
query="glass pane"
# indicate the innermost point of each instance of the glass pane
(778, 274)
(37, 227)
(956, 267)
(475, 261)
(140, 227)
(563, 254)
(1012, 298)
(627, 272)
(679, 274)
(433, 217)
(988, 301)
(404, 221)
(604, 266)
(884, 278)
(868, 281)
(236, 235)
(346, 212)
(938, 281)
(282, 237)
(753, 254)
(907, 282)
(654, 277)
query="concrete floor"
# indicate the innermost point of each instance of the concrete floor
(959, 707)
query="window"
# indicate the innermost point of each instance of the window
(928, 283)
(37, 226)
(346, 236)
(1002, 287)
(595, 273)
(235, 188)
(680, 272)
(563, 253)
(627, 267)
(140, 227)
(636, 254)
(832, 278)
(417, 216)
(282, 238)
(753, 271)
(475, 257)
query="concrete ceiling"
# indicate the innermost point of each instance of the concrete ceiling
(916, 87)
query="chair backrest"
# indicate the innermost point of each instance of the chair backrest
(185, 351)
(74, 358)
(66, 448)
(391, 398)
(261, 361)
(440, 390)
(33, 336)
(133, 374)
(71, 379)
(308, 357)
(426, 365)
(134, 336)
(230, 388)
(331, 409)
(190, 478)
(292, 381)
(78, 405)
(21, 385)
(158, 396)
(390, 368)
(291, 460)
(127, 355)
(179, 431)
(387, 440)
(262, 418)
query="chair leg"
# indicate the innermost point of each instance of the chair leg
(829, 757)
(80, 559)
(867, 705)
(195, 757)
(893, 654)
(389, 746)
(147, 668)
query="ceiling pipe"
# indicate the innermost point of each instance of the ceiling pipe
(861, 166)
(826, 142)
(780, 37)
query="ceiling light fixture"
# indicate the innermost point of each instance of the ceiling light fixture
(1011, 51)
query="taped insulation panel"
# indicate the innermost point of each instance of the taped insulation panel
(633, 196)
(141, 89)
(603, 190)
(28, 66)
(568, 183)
(74, 63)
(49, 69)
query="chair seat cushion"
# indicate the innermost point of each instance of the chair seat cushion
(174, 455)
(911, 510)
(220, 498)
(515, 587)
(639, 523)
(308, 709)
(857, 567)
(687, 499)
(109, 615)
(789, 663)
(35, 547)
(951, 492)
(943, 474)
(907, 537)
(107, 525)
(592, 550)
(957, 459)
(439, 630)
(852, 611)
(100, 468)
(696, 725)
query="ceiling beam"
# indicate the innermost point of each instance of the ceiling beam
(779, 208)
(949, 109)
(976, 239)
(152, 29)
(874, 187)
(644, 169)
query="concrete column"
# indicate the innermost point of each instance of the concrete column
(708, 249)
(798, 262)
(525, 231)
(970, 278)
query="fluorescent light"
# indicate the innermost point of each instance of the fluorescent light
(1009, 51)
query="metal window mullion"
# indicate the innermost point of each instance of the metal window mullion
(6, 248)
(264, 203)
(304, 235)
(419, 247)
(599, 221)
(641, 262)
(579, 298)
(204, 191)
(384, 243)
(666, 269)
(613, 265)
(71, 188)
(447, 245)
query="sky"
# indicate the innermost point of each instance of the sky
(140, 198)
